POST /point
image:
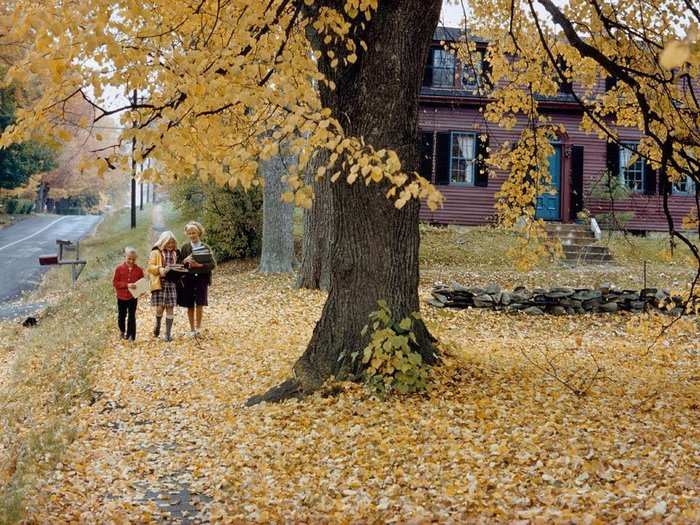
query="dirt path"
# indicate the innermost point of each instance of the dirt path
(157, 221)
(171, 491)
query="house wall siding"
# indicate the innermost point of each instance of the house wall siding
(472, 205)
(648, 212)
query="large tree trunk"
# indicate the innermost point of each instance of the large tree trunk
(277, 255)
(374, 246)
(314, 272)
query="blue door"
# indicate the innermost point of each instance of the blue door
(549, 204)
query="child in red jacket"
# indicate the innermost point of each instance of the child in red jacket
(125, 275)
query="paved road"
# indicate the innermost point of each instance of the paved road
(22, 243)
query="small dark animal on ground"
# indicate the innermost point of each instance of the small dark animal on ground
(29, 322)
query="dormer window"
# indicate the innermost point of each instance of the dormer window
(440, 72)
(564, 86)
(445, 71)
(471, 72)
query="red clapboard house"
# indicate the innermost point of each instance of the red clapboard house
(453, 134)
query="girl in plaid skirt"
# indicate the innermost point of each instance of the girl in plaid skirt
(163, 292)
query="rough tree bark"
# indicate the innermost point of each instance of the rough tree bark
(373, 246)
(314, 272)
(277, 254)
(42, 195)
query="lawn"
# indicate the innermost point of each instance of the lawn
(479, 255)
(498, 437)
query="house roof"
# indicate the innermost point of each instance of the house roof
(453, 34)
(468, 97)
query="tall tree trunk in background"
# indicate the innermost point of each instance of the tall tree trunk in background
(277, 254)
(373, 246)
(42, 194)
(314, 272)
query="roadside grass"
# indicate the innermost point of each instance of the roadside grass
(472, 255)
(484, 246)
(49, 368)
(7, 219)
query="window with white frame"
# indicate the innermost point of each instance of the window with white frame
(685, 186)
(462, 158)
(631, 167)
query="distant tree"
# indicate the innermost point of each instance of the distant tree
(20, 161)
(315, 268)
(74, 178)
(277, 254)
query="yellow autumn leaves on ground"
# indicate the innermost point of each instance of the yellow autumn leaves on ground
(494, 439)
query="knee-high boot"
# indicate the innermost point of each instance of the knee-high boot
(168, 328)
(156, 330)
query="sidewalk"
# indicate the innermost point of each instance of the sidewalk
(157, 221)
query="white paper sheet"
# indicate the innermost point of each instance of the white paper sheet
(143, 285)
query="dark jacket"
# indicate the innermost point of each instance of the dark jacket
(186, 251)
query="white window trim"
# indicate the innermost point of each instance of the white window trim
(624, 146)
(689, 185)
(471, 177)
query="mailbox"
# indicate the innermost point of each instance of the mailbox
(64, 246)
(67, 246)
(46, 260)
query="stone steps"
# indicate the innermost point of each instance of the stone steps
(564, 227)
(592, 249)
(587, 254)
(578, 243)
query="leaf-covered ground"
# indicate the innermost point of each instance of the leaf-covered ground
(499, 437)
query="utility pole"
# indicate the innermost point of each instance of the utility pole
(133, 172)
(148, 183)
(141, 183)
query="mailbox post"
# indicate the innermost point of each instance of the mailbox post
(76, 263)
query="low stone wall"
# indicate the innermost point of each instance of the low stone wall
(556, 301)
